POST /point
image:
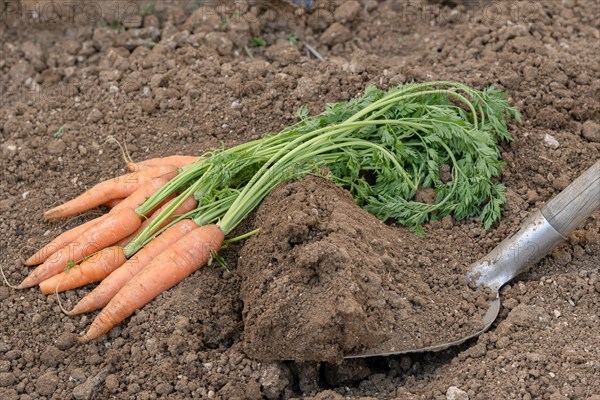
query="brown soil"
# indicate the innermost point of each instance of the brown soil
(325, 279)
(180, 81)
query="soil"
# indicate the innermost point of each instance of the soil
(183, 79)
(324, 279)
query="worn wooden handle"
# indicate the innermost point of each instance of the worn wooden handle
(576, 203)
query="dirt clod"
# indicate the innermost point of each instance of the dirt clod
(56, 147)
(591, 131)
(274, 380)
(335, 34)
(164, 388)
(348, 11)
(7, 379)
(66, 341)
(46, 384)
(52, 356)
(86, 390)
(111, 383)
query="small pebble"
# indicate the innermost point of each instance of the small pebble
(37, 318)
(550, 141)
(95, 116)
(9, 150)
(454, 393)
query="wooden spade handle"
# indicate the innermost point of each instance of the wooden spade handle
(576, 203)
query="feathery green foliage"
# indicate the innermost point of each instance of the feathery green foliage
(383, 147)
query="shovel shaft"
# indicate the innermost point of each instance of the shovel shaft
(576, 203)
(540, 233)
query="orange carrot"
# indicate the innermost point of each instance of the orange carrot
(188, 205)
(170, 267)
(133, 201)
(147, 189)
(176, 160)
(92, 269)
(108, 288)
(113, 203)
(109, 230)
(111, 189)
(61, 241)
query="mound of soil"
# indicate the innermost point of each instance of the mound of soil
(325, 279)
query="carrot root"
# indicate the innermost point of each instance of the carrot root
(142, 193)
(146, 190)
(170, 267)
(60, 242)
(93, 269)
(108, 190)
(108, 288)
(110, 230)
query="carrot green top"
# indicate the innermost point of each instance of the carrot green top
(382, 147)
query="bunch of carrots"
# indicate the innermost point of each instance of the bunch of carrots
(170, 216)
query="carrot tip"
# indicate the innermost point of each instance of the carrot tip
(28, 282)
(46, 290)
(72, 312)
(52, 214)
(84, 339)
